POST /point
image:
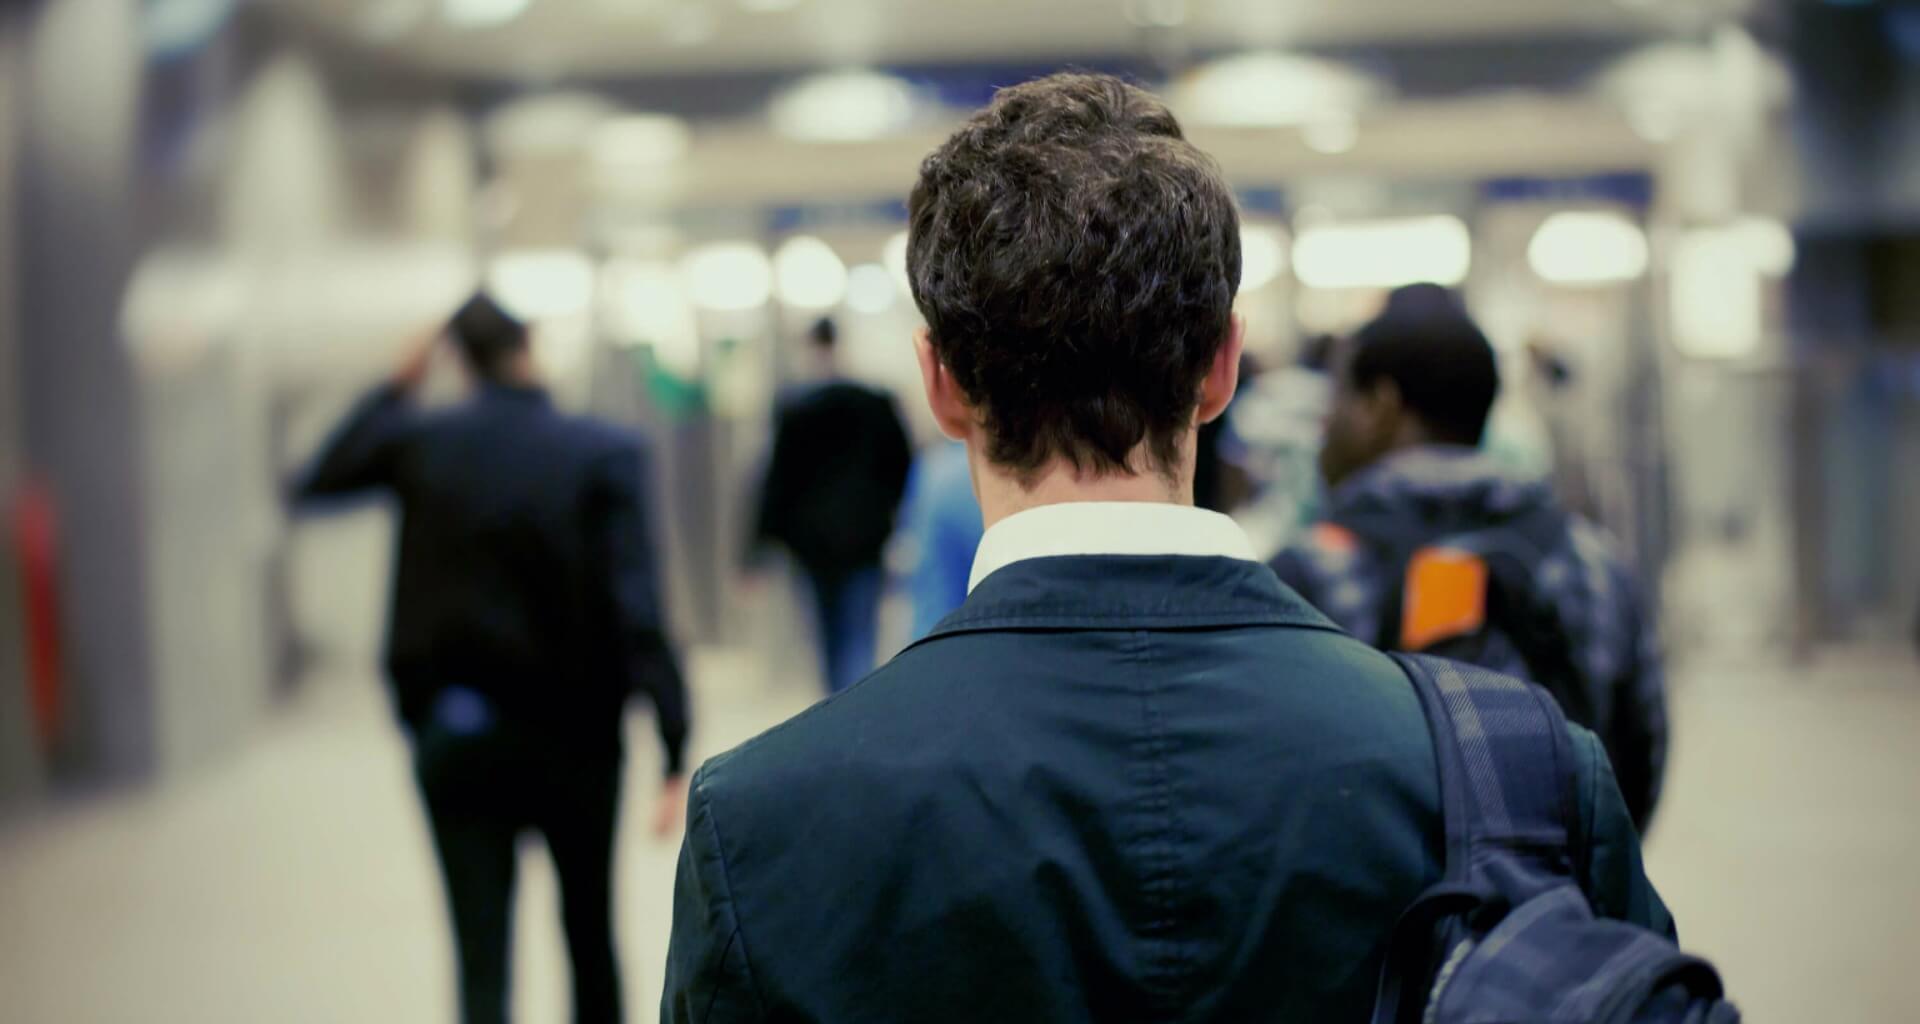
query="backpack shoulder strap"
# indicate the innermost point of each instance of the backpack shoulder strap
(1505, 767)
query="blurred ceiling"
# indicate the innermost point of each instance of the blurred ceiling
(619, 38)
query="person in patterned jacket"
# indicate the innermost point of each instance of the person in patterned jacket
(1429, 544)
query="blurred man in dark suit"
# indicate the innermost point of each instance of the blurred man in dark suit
(526, 610)
(834, 484)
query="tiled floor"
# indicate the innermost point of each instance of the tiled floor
(293, 882)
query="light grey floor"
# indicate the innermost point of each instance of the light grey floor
(293, 882)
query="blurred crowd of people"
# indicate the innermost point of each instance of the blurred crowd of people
(1140, 761)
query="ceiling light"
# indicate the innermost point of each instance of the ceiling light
(688, 25)
(768, 6)
(541, 284)
(638, 141)
(1384, 253)
(1271, 89)
(728, 276)
(483, 13)
(1331, 135)
(1768, 244)
(1716, 296)
(1157, 13)
(871, 289)
(647, 305)
(385, 21)
(1588, 248)
(808, 274)
(1263, 255)
(846, 106)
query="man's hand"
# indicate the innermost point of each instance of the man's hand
(670, 811)
(413, 372)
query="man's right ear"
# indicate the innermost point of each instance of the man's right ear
(949, 404)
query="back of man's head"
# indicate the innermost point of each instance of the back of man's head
(1427, 345)
(488, 335)
(1076, 261)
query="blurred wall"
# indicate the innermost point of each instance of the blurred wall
(78, 217)
(19, 761)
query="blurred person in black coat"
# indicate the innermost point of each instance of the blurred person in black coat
(525, 611)
(834, 484)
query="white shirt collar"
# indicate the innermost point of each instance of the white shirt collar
(1108, 528)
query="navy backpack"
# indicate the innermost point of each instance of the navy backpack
(1507, 935)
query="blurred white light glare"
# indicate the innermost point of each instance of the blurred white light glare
(844, 106)
(541, 284)
(1271, 89)
(1588, 248)
(871, 289)
(1769, 245)
(728, 276)
(1716, 295)
(1263, 255)
(385, 21)
(483, 13)
(1654, 120)
(646, 304)
(1157, 13)
(1331, 135)
(768, 6)
(894, 257)
(640, 141)
(1384, 253)
(808, 274)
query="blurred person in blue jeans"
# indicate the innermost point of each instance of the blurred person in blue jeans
(833, 487)
(943, 520)
(525, 612)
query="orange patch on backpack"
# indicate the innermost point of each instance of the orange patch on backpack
(1446, 597)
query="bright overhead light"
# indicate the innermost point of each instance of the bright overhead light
(1331, 135)
(542, 284)
(871, 289)
(845, 106)
(385, 21)
(1384, 253)
(646, 304)
(894, 257)
(1271, 89)
(640, 141)
(1769, 245)
(728, 276)
(808, 274)
(1588, 248)
(768, 6)
(1715, 294)
(1263, 255)
(1157, 13)
(483, 13)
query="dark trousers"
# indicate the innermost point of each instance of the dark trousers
(847, 616)
(482, 790)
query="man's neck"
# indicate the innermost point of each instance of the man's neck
(1002, 495)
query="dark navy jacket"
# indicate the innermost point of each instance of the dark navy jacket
(1108, 788)
(525, 568)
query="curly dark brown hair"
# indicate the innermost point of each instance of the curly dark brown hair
(1076, 261)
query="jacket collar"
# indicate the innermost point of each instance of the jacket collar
(1107, 528)
(1108, 592)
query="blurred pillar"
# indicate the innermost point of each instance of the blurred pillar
(77, 216)
(439, 180)
(20, 763)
